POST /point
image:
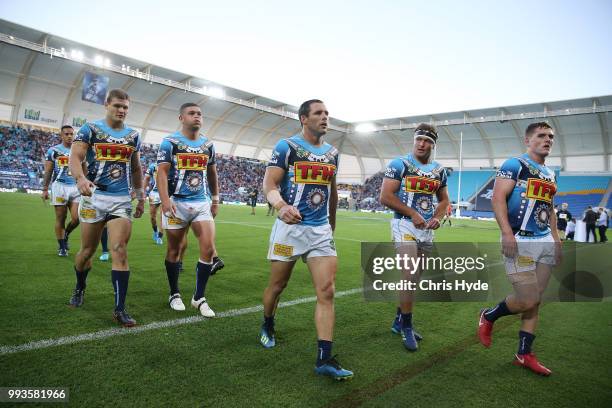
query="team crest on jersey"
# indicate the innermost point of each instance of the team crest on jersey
(113, 152)
(194, 181)
(62, 161)
(542, 216)
(316, 198)
(424, 204)
(191, 161)
(115, 172)
(418, 184)
(313, 173)
(542, 190)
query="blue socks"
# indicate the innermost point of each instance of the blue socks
(172, 270)
(324, 351)
(498, 311)
(269, 322)
(104, 240)
(120, 281)
(406, 320)
(525, 341)
(81, 277)
(202, 275)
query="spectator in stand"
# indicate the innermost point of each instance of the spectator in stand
(602, 225)
(562, 216)
(590, 219)
(570, 229)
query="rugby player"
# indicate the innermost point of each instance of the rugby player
(111, 152)
(408, 188)
(64, 193)
(523, 205)
(189, 192)
(151, 185)
(305, 168)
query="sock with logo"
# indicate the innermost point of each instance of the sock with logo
(498, 311)
(120, 280)
(324, 351)
(525, 341)
(202, 274)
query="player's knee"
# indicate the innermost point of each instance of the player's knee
(325, 292)
(528, 303)
(87, 252)
(206, 254)
(278, 286)
(119, 251)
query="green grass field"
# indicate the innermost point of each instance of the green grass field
(219, 362)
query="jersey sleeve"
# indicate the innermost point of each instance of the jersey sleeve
(49, 155)
(395, 170)
(164, 154)
(443, 178)
(280, 155)
(509, 170)
(213, 157)
(84, 134)
(138, 141)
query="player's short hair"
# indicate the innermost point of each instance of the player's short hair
(425, 129)
(66, 127)
(537, 125)
(118, 94)
(305, 108)
(187, 105)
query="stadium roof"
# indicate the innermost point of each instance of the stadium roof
(44, 73)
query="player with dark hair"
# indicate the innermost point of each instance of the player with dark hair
(409, 185)
(304, 167)
(189, 192)
(64, 192)
(523, 205)
(111, 152)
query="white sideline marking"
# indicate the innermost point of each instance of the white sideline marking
(103, 334)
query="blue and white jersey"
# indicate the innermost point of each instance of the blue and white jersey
(189, 161)
(419, 184)
(152, 173)
(309, 171)
(530, 205)
(59, 155)
(109, 156)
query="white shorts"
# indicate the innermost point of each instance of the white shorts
(62, 194)
(186, 213)
(154, 198)
(103, 207)
(289, 242)
(531, 251)
(404, 232)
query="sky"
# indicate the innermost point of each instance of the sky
(366, 59)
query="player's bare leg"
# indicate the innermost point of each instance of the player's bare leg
(280, 273)
(60, 232)
(119, 232)
(403, 318)
(73, 207)
(90, 236)
(323, 272)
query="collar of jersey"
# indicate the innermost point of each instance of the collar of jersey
(426, 167)
(324, 148)
(115, 133)
(199, 141)
(538, 165)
